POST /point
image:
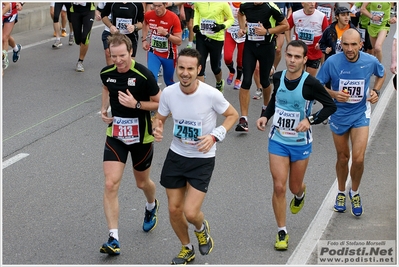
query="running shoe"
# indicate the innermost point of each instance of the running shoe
(259, 94)
(71, 40)
(242, 125)
(16, 55)
(220, 86)
(111, 247)
(340, 203)
(297, 204)
(150, 218)
(63, 33)
(237, 84)
(79, 67)
(186, 255)
(230, 78)
(357, 208)
(281, 240)
(57, 44)
(5, 60)
(205, 241)
(54, 34)
(189, 46)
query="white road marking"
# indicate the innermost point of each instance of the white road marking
(14, 159)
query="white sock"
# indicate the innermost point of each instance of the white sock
(63, 29)
(114, 233)
(15, 48)
(189, 246)
(245, 117)
(343, 192)
(264, 107)
(201, 229)
(354, 193)
(282, 228)
(299, 198)
(150, 206)
(190, 43)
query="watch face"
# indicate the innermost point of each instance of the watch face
(138, 105)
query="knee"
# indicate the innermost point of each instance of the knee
(279, 189)
(190, 215)
(175, 211)
(111, 185)
(343, 158)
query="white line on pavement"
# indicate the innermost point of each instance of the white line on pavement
(309, 240)
(14, 159)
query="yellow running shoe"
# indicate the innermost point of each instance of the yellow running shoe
(281, 240)
(296, 204)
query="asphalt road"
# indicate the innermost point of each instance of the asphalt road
(52, 175)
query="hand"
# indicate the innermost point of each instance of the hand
(341, 96)
(393, 68)
(105, 118)
(218, 27)
(373, 97)
(241, 33)
(206, 143)
(261, 123)
(303, 125)
(196, 29)
(157, 130)
(127, 99)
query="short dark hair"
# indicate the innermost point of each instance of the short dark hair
(298, 43)
(118, 39)
(190, 52)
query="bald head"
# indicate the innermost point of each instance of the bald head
(351, 44)
(351, 33)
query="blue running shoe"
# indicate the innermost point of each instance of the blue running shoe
(112, 247)
(150, 218)
(340, 203)
(357, 208)
(16, 55)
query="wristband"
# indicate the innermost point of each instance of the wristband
(219, 133)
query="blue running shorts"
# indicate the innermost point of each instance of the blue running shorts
(295, 153)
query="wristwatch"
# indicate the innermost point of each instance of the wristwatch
(135, 28)
(311, 119)
(267, 32)
(167, 36)
(138, 105)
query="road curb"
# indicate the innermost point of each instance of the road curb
(33, 16)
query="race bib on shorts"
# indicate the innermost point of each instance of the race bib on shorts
(126, 130)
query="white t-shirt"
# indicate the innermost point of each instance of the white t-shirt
(193, 115)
